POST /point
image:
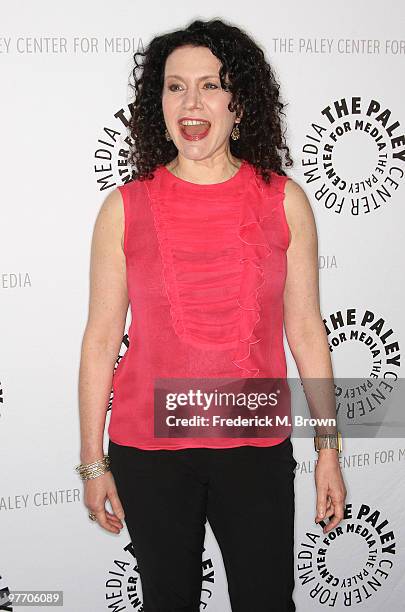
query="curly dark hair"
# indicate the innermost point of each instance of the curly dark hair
(244, 72)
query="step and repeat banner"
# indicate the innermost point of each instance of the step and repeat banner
(65, 108)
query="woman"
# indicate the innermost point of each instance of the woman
(211, 245)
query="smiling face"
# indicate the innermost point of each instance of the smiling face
(192, 90)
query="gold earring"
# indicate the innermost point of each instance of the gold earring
(168, 137)
(235, 133)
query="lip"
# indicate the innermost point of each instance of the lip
(196, 136)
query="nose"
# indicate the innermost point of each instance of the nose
(193, 98)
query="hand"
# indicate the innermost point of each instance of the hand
(96, 491)
(330, 488)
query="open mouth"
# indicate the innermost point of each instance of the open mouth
(194, 130)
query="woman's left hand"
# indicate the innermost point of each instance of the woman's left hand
(330, 489)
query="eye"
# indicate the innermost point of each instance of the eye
(171, 86)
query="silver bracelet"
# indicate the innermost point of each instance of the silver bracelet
(92, 470)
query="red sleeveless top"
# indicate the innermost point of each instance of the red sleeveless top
(206, 269)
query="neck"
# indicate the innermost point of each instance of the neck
(205, 171)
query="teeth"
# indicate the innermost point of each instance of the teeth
(192, 122)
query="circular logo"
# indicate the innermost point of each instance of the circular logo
(124, 587)
(360, 400)
(352, 562)
(354, 156)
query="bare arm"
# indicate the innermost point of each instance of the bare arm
(108, 305)
(305, 330)
(307, 339)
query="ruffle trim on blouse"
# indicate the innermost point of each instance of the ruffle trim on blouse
(169, 276)
(256, 250)
(237, 330)
(180, 215)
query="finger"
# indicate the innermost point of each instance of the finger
(336, 517)
(115, 525)
(103, 521)
(334, 522)
(328, 513)
(112, 515)
(114, 519)
(321, 503)
(116, 505)
(330, 509)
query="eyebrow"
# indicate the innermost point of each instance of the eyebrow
(207, 76)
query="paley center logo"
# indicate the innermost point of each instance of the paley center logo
(111, 165)
(351, 563)
(353, 155)
(379, 363)
(375, 334)
(124, 586)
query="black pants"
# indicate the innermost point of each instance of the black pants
(247, 495)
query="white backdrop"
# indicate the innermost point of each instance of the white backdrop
(64, 71)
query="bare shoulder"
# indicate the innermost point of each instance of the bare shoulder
(298, 210)
(110, 219)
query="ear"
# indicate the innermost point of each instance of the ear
(239, 115)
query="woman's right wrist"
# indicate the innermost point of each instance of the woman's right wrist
(88, 471)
